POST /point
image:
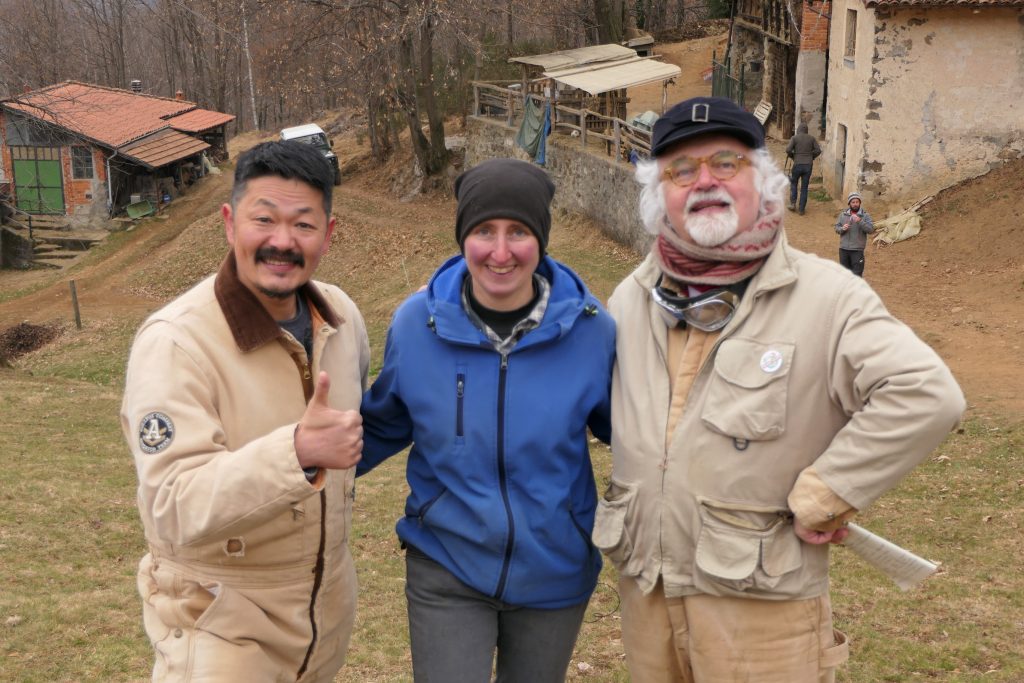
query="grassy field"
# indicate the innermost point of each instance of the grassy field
(70, 538)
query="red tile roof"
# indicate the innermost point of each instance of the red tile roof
(110, 116)
(199, 120)
(162, 148)
(944, 3)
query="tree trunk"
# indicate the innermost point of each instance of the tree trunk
(608, 14)
(437, 153)
(248, 62)
(407, 100)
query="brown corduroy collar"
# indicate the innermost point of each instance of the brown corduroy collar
(248, 320)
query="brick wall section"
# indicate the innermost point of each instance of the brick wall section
(814, 26)
(81, 192)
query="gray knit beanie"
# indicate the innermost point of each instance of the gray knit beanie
(504, 188)
(853, 195)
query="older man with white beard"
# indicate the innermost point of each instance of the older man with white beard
(761, 397)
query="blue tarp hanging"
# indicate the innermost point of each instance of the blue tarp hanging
(540, 157)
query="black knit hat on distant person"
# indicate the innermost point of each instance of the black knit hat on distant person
(504, 188)
(704, 115)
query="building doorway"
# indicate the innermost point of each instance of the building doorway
(38, 180)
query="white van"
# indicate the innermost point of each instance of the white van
(312, 134)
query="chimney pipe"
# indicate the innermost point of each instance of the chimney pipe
(136, 85)
(179, 95)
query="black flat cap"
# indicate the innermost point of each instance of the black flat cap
(703, 115)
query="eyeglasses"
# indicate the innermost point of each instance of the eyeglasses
(708, 312)
(723, 164)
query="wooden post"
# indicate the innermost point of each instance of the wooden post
(583, 126)
(476, 99)
(618, 139)
(74, 304)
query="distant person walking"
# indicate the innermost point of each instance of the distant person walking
(853, 226)
(803, 149)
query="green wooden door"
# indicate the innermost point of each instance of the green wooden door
(38, 181)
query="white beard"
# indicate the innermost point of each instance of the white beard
(710, 230)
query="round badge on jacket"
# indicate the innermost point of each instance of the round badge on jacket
(771, 361)
(156, 431)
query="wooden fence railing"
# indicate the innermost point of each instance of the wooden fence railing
(507, 103)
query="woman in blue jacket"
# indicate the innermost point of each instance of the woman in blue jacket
(493, 374)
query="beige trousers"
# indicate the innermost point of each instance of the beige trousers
(707, 639)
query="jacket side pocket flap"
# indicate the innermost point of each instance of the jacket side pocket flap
(781, 552)
(609, 520)
(726, 554)
(610, 517)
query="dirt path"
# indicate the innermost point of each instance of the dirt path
(959, 284)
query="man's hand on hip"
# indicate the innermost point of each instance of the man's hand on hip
(819, 537)
(326, 437)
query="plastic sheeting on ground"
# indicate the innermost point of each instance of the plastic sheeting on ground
(897, 228)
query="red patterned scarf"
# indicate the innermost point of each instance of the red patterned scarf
(728, 263)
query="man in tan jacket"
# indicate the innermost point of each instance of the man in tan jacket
(761, 397)
(241, 410)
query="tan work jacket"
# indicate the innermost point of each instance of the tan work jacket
(248, 572)
(812, 372)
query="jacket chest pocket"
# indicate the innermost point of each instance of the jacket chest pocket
(748, 389)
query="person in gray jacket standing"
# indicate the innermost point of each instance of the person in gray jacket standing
(803, 149)
(853, 226)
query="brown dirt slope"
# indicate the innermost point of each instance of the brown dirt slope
(959, 283)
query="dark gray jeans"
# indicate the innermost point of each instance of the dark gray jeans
(454, 631)
(853, 260)
(801, 174)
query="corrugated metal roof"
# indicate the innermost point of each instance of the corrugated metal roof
(601, 78)
(945, 3)
(162, 148)
(199, 120)
(577, 57)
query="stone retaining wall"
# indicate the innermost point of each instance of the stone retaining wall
(589, 184)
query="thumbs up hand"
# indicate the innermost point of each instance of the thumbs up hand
(327, 437)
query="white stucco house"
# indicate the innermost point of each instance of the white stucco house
(921, 94)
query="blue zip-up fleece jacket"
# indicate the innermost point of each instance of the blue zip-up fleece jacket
(502, 488)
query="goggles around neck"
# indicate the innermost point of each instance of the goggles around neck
(708, 312)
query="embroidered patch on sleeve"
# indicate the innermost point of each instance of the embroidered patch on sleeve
(156, 431)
